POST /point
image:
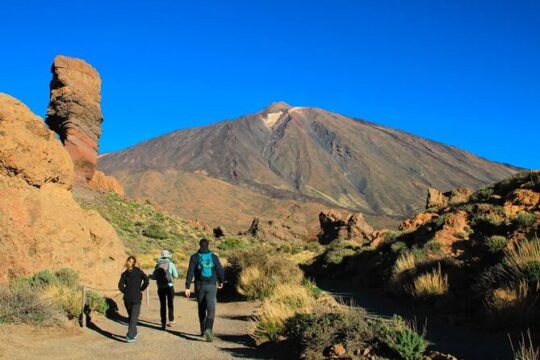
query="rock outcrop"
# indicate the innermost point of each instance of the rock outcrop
(106, 184)
(41, 226)
(345, 226)
(439, 200)
(75, 113)
(288, 227)
(435, 199)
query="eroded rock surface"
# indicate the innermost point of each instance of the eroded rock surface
(41, 226)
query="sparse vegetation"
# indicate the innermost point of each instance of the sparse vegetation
(398, 247)
(523, 262)
(524, 219)
(433, 283)
(44, 297)
(526, 350)
(404, 263)
(496, 243)
(482, 195)
(403, 338)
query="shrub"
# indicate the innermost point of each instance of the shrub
(433, 246)
(433, 283)
(392, 236)
(524, 219)
(63, 298)
(42, 278)
(316, 332)
(513, 303)
(496, 243)
(155, 231)
(488, 221)
(231, 243)
(257, 272)
(67, 277)
(97, 302)
(482, 195)
(402, 338)
(21, 304)
(338, 250)
(398, 246)
(440, 220)
(286, 301)
(523, 262)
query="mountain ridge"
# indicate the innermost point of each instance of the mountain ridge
(310, 154)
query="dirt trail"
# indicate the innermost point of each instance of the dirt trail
(105, 338)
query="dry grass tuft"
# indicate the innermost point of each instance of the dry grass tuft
(405, 262)
(433, 283)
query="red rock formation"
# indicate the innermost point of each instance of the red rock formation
(288, 227)
(106, 184)
(342, 225)
(416, 222)
(41, 225)
(75, 113)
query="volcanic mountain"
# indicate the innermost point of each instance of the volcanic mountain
(296, 159)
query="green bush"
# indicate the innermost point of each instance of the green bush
(398, 246)
(67, 277)
(315, 333)
(42, 278)
(232, 243)
(403, 339)
(392, 236)
(433, 246)
(496, 243)
(482, 195)
(155, 231)
(97, 302)
(525, 219)
(439, 221)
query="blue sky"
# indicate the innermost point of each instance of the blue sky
(466, 73)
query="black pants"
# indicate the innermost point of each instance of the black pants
(133, 310)
(166, 299)
(206, 300)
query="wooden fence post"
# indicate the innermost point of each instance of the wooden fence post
(83, 312)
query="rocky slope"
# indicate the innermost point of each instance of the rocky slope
(41, 226)
(471, 254)
(300, 154)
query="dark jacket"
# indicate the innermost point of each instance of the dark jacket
(218, 275)
(132, 283)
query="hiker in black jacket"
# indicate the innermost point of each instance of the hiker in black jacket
(207, 270)
(132, 283)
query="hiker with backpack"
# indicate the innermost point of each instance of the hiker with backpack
(164, 273)
(209, 276)
(132, 283)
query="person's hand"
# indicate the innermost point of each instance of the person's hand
(188, 293)
(220, 285)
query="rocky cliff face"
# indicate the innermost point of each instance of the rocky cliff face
(41, 226)
(75, 113)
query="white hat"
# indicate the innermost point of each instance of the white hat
(165, 254)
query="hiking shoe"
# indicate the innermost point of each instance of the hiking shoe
(131, 340)
(163, 327)
(208, 335)
(136, 336)
(171, 323)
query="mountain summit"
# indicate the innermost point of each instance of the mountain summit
(300, 154)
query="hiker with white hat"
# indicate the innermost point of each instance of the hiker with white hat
(164, 274)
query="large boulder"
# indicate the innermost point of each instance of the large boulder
(41, 226)
(75, 113)
(344, 226)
